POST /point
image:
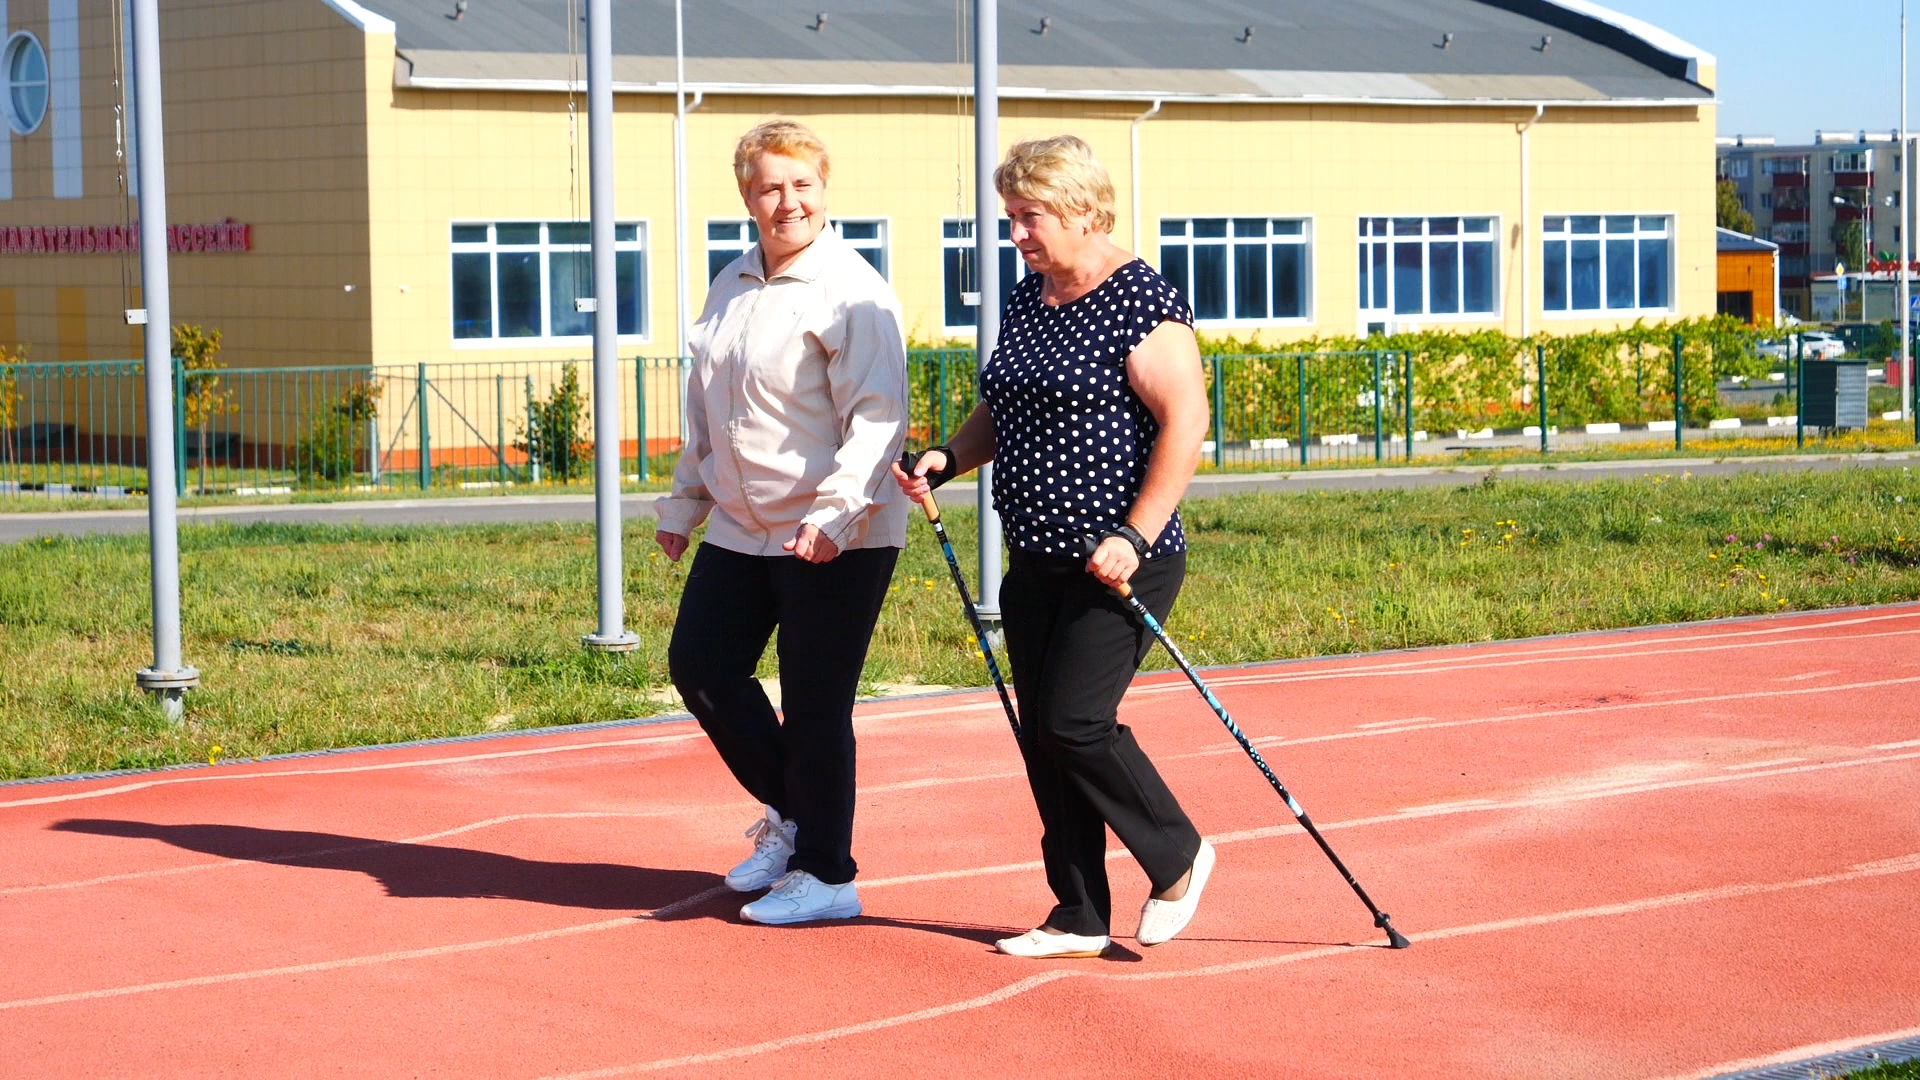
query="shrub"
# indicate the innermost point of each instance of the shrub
(330, 450)
(554, 437)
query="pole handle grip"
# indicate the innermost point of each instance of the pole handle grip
(1124, 591)
(932, 511)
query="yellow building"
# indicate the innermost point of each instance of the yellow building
(398, 183)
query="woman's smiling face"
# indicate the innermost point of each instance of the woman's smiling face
(788, 201)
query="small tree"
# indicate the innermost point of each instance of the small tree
(553, 434)
(204, 396)
(331, 447)
(1850, 243)
(1729, 213)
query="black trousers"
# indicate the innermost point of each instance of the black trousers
(825, 612)
(1074, 649)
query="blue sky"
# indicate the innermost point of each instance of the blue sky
(1788, 67)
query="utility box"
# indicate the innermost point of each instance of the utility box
(1833, 394)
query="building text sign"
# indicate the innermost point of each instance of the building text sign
(227, 236)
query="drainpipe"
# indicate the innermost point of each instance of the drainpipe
(1526, 308)
(1133, 171)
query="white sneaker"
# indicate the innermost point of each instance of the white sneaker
(772, 847)
(1039, 945)
(1160, 920)
(801, 897)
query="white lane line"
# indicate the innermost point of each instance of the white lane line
(1905, 864)
(1763, 764)
(1486, 665)
(1267, 742)
(1804, 676)
(301, 856)
(386, 766)
(1798, 1053)
(1895, 745)
(1420, 667)
(1398, 723)
(1899, 864)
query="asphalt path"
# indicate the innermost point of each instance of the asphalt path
(491, 509)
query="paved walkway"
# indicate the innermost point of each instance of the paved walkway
(481, 509)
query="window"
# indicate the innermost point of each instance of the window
(519, 279)
(1788, 232)
(1766, 200)
(958, 276)
(1851, 161)
(1427, 266)
(26, 66)
(727, 240)
(1615, 262)
(1239, 269)
(1735, 168)
(1776, 165)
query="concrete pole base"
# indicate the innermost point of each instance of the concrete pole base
(169, 688)
(622, 642)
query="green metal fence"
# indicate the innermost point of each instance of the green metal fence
(71, 428)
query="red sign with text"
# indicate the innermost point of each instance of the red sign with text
(227, 236)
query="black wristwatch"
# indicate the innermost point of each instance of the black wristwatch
(1132, 536)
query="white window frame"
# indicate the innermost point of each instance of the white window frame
(1230, 241)
(747, 228)
(546, 248)
(966, 243)
(1393, 319)
(16, 43)
(1672, 236)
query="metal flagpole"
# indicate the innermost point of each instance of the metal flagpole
(1907, 380)
(986, 239)
(168, 679)
(613, 636)
(682, 243)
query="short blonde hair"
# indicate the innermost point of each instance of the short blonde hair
(788, 138)
(1062, 173)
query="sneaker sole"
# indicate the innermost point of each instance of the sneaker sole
(1085, 954)
(820, 916)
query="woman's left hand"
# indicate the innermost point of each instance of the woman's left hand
(812, 545)
(1113, 562)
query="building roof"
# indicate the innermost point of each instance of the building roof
(1386, 51)
(1729, 240)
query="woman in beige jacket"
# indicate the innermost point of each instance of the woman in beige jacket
(796, 408)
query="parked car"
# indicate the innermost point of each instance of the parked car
(1819, 345)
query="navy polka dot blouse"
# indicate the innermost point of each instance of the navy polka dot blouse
(1071, 438)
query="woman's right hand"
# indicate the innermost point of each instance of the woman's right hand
(915, 485)
(674, 544)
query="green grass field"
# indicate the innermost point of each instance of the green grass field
(1904, 1070)
(322, 636)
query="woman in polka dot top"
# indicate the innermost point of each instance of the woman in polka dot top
(1093, 411)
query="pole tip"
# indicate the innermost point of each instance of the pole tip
(1395, 939)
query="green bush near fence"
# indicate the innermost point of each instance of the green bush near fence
(1486, 378)
(554, 434)
(330, 451)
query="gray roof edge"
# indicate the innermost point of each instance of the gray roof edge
(1036, 93)
(1726, 239)
(1623, 33)
(361, 18)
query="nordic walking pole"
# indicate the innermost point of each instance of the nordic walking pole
(1380, 918)
(973, 616)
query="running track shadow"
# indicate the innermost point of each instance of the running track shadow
(425, 870)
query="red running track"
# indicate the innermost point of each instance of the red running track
(1658, 853)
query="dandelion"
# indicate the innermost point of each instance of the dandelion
(213, 755)
(1713, 555)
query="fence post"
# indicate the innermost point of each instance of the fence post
(640, 406)
(1379, 428)
(180, 428)
(1406, 366)
(1800, 398)
(420, 404)
(1540, 365)
(1219, 420)
(500, 428)
(1679, 394)
(1300, 367)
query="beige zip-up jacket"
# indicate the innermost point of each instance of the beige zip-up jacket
(796, 406)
